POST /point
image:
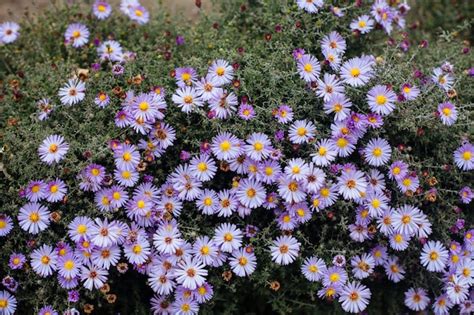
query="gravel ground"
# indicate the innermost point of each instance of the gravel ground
(14, 9)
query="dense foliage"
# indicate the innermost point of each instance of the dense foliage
(258, 39)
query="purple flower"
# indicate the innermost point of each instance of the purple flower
(298, 53)
(184, 155)
(10, 283)
(279, 135)
(251, 230)
(73, 296)
(118, 70)
(95, 66)
(466, 194)
(180, 40)
(460, 223)
(246, 111)
(16, 261)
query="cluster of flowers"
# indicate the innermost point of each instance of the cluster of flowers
(384, 14)
(294, 188)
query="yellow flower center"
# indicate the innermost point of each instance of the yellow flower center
(220, 71)
(81, 229)
(16, 261)
(34, 217)
(228, 237)
(313, 268)
(268, 170)
(205, 250)
(293, 186)
(126, 174)
(137, 249)
(258, 146)
(208, 201)
(376, 203)
(186, 76)
(286, 219)
(334, 277)
(3, 303)
(35, 188)
(342, 142)
(406, 219)
(308, 67)
(337, 108)
(377, 152)
(68, 265)
(53, 188)
(185, 307)
(406, 182)
(301, 131)
(362, 24)
(398, 238)
(76, 34)
(355, 72)
(243, 261)
(251, 192)
(325, 192)
(202, 290)
(300, 212)
(295, 170)
(138, 12)
(406, 89)
(45, 260)
(466, 156)
(143, 106)
(127, 156)
(225, 146)
(53, 148)
(188, 99)
(380, 99)
(396, 170)
(141, 204)
(434, 255)
(101, 8)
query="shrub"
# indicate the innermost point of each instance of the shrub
(258, 42)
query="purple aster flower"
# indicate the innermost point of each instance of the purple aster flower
(466, 194)
(447, 113)
(118, 70)
(283, 114)
(246, 111)
(184, 155)
(36, 190)
(298, 53)
(464, 157)
(102, 100)
(73, 296)
(251, 230)
(47, 310)
(101, 10)
(56, 190)
(185, 76)
(339, 261)
(16, 261)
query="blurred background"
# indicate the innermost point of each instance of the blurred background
(14, 9)
(429, 16)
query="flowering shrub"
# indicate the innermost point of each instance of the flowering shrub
(291, 157)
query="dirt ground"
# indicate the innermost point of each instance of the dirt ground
(14, 9)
